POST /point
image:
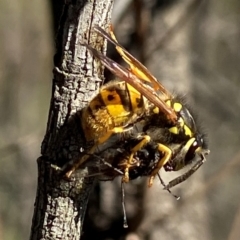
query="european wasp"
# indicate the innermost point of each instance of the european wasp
(156, 129)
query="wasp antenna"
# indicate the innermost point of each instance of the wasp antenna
(190, 172)
(165, 187)
(125, 224)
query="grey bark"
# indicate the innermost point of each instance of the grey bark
(60, 205)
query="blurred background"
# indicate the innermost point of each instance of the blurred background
(192, 47)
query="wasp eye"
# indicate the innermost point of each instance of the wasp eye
(198, 143)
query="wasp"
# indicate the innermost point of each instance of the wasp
(157, 130)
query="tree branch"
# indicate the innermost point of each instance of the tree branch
(60, 205)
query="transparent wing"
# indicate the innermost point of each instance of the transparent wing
(144, 87)
(135, 66)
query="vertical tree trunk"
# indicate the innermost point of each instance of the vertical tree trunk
(60, 205)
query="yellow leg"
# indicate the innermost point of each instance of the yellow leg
(101, 140)
(167, 155)
(130, 161)
(80, 161)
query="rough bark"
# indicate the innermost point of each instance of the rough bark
(60, 205)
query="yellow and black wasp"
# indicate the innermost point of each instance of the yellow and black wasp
(156, 130)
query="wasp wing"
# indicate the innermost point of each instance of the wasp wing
(142, 86)
(136, 67)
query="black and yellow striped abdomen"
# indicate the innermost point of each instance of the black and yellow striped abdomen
(117, 104)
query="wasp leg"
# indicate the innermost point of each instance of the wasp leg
(130, 162)
(101, 140)
(167, 155)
